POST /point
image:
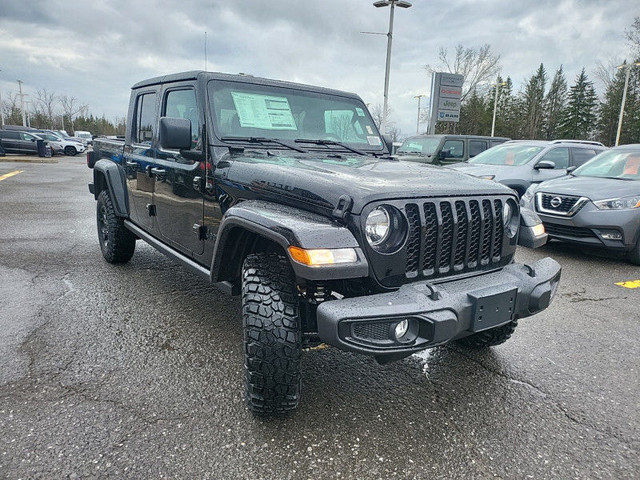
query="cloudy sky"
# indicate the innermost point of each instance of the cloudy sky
(95, 51)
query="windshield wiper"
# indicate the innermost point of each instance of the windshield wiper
(329, 142)
(263, 140)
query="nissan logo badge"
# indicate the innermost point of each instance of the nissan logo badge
(556, 202)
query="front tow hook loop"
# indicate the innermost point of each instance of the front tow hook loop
(434, 293)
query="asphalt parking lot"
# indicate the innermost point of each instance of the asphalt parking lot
(135, 371)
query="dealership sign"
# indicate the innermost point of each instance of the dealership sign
(446, 92)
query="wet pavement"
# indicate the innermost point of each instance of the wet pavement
(135, 371)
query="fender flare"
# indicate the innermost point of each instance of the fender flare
(284, 226)
(109, 174)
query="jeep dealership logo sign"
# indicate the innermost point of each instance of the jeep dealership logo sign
(446, 91)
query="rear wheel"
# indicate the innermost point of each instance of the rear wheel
(491, 337)
(71, 151)
(116, 241)
(272, 334)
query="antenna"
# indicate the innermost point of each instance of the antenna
(205, 50)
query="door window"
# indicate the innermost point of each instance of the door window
(582, 155)
(182, 104)
(453, 148)
(559, 156)
(476, 146)
(146, 118)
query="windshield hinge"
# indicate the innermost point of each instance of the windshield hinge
(345, 202)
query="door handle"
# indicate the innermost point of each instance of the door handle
(130, 164)
(158, 171)
(197, 184)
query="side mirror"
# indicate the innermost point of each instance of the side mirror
(33, 139)
(545, 165)
(442, 154)
(174, 133)
(571, 168)
(388, 141)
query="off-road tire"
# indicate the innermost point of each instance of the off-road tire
(489, 338)
(116, 241)
(272, 335)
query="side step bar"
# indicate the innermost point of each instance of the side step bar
(226, 287)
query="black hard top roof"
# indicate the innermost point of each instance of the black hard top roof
(454, 136)
(195, 74)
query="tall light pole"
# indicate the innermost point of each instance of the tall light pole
(392, 4)
(1, 109)
(495, 106)
(419, 97)
(624, 95)
(24, 117)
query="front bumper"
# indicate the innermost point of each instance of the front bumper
(437, 313)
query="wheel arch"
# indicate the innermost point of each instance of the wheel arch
(109, 176)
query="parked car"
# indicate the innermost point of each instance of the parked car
(597, 205)
(15, 141)
(61, 146)
(292, 202)
(520, 163)
(84, 135)
(445, 149)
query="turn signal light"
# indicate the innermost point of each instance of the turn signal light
(323, 256)
(538, 230)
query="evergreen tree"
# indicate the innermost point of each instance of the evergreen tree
(475, 116)
(578, 119)
(533, 104)
(554, 104)
(609, 111)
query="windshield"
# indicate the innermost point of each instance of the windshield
(425, 146)
(623, 164)
(507, 154)
(282, 113)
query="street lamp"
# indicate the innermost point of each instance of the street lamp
(392, 4)
(624, 95)
(418, 120)
(495, 105)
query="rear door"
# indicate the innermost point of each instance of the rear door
(179, 181)
(139, 158)
(476, 147)
(580, 156)
(28, 143)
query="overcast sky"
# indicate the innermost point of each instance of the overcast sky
(95, 51)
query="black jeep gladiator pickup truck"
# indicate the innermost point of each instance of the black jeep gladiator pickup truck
(286, 194)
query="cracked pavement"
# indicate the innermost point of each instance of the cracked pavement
(135, 371)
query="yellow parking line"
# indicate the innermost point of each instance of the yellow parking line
(630, 284)
(10, 174)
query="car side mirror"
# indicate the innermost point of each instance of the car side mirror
(388, 141)
(571, 168)
(33, 139)
(545, 165)
(443, 154)
(174, 133)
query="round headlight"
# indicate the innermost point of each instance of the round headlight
(377, 226)
(507, 213)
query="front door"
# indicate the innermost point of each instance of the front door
(179, 181)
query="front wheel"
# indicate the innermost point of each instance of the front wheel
(272, 334)
(116, 241)
(491, 337)
(634, 255)
(70, 151)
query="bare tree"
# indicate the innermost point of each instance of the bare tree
(633, 36)
(45, 102)
(70, 108)
(477, 65)
(377, 115)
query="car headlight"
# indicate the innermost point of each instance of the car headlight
(377, 226)
(487, 177)
(385, 229)
(622, 203)
(510, 218)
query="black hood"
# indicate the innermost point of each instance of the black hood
(320, 180)
(594, 188)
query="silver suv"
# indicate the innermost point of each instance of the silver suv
(520, 163)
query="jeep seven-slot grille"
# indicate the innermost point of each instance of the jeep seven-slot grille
(446, 236)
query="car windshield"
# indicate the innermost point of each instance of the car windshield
(622, 164)
(507, 154)
(425, 146)
(246, 110)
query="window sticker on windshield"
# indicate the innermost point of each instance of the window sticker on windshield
(360, 112)
(263, 111)
(415, 146)
(369, 130)
(375, 141)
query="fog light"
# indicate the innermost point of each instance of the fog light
(611, 235)
(538, 230)
(401, 329)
